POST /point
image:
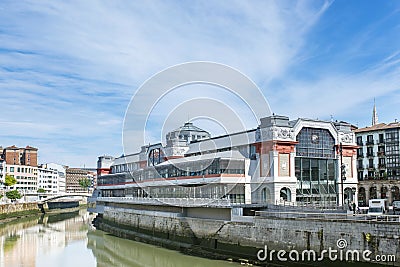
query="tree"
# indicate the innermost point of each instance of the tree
(41, 190)
(13, 194)
(85, 183)
(10, 180)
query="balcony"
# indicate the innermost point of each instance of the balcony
(370, 142)
(360, 155)
(382, 166)
(371, 168)
(381, 153)
(360, 167)
(371, 155)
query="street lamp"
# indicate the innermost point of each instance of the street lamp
(342, 171)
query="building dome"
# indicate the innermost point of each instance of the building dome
(186, 134)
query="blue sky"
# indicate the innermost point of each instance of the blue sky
(68, 69)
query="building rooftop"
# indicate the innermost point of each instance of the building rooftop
(12, 147)
(379, 126)
(188, 126)
(31, 148)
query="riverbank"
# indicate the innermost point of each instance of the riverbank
(14, 211)
(68, 239)
(242, 238)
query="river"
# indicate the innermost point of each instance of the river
(68, 239)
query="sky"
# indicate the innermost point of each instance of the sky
(68, 69)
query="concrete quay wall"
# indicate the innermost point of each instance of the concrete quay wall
(17, 207)
(236, 239)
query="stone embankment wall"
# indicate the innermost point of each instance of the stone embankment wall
(236, 239)
(17, 207)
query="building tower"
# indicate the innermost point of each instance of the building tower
(374, 115)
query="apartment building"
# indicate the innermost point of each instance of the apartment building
(378, 161)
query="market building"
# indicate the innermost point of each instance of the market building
(282, 161)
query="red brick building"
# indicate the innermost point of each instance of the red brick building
(20, 156)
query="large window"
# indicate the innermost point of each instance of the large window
(393, 154)
(392, 136)
(381, 139)
(315, 143)
(359, 140)
(370, 139)
(316, 167)
(370, 151)
(371, 163)
(316, 180)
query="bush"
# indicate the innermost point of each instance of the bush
(14, 194)
(10, 180)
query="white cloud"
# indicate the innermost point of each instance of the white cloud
(72, 67)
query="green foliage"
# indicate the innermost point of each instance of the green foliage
(85, 183)
(10, 180)
(14, 194)
(1, 196)
(41, 190)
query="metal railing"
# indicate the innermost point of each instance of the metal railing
(180, 202)
(329, 216)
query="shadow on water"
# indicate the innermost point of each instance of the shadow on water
(57, 217)
(113, 251)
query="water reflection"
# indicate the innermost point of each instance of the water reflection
(113, 251)
(34, 241)
(69, 240)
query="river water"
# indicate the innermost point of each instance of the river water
(68, 239)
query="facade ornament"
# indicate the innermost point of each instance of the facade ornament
(283, 133)
(274, 133)
(346, 138)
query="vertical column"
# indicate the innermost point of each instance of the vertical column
(378, 191)
(247, 185)
(367, 188)
(292, 164)
(389, 194)
(275, 165)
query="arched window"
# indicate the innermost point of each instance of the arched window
(315, 143)
(285, 194)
